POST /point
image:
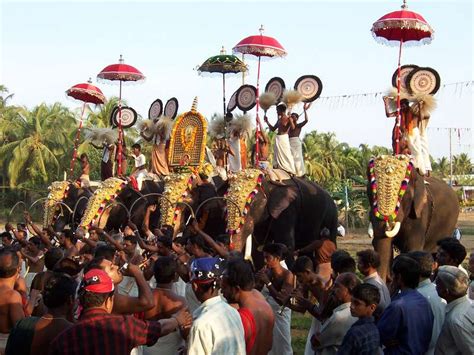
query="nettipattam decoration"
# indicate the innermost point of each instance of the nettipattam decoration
(188, 139)
(242, 190)
(389, 177)
(107, 191)
(57, 193)
(177, 187)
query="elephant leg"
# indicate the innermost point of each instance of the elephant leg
(383, 246)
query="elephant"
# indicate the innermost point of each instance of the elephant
(61, 211)
(292, 213)
(428, 212)
(117, 218)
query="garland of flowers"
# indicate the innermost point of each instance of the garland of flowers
(107, 191)
(373, 185)
(235, 218)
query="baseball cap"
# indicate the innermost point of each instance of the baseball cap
(97, 281)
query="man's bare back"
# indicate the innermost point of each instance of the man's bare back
(11, 308)
(264, 320)
(167, 303)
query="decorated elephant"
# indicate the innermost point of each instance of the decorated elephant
(116, 201)
(186, 195)
(292, 213)
(408, 211)
(65, 204)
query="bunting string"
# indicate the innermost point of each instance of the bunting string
(458, 89)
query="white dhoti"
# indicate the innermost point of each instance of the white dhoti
(167, 345)
(283, 159)
(179, 287)
(282, 328)
(235, 163)
(315, 327)
(29, 279)
(85, 180)
(220, 170)
(297, 152)
(3, 342)
(419, 150)
(140, 175)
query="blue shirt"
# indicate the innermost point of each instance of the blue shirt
(362, 339)
(406, 324)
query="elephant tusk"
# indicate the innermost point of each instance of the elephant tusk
(248, 248)
(394, 231)
(370, 231)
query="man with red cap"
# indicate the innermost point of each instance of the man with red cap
(100, 332)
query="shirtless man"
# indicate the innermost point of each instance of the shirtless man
(283, 159)
(167, 303)
(257, 315)
(33, 335)
(11, 309)
(85, 171)
(295, 141)
(34, 257)
(279, 283)
(67, 241)
(221, 150)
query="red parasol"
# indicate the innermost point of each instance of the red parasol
(120, 72)
(87, 93)
(260, 46)
(395, 29)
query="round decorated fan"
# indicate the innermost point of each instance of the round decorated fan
(171, 108)
(404, 71)
(276, 85)
(112, 115)
(246, 97)
(129, 117)
(309, 86)
(156, 109)
(232, 104)
(423, 81)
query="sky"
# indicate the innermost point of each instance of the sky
(46, 47)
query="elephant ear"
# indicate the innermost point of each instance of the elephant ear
(419, 194)
(280, 198)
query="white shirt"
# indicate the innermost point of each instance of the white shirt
(456, 336)
(140, 160)
(217, 329)
(438, 307)
(334, 329)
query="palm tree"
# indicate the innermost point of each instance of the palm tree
(462, 164)
(36, 143)
(4, 99)
(441, 167)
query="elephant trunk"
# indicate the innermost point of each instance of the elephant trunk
(392, 231)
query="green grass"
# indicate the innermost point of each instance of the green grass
(300, 325)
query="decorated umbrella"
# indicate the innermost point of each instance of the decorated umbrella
(223, 64)
(260, 46)
(120, 72)
(87, 93)
(398, 28)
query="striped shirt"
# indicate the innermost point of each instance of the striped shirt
(99, 332)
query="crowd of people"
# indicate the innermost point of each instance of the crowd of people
(143, 292)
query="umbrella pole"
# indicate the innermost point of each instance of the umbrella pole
(257, 128)
(223, 90)
(120, 133)
(398, 119)
(76, 142)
